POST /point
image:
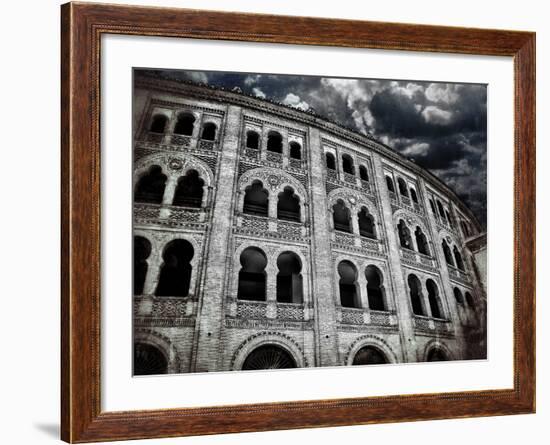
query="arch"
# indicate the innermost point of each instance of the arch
(436, 355)
(349, 297)
(447, 253)
(347, 164)
(458, 258)
(432, 207)
(421, 241)
(256, 199)
(268, 338)
(288, 205)
(374, 341)
(295, 150)
(363, 174)
(470, 300)
(389, 184)
(465, 228)
(274, 142)
(158, 123)
(414, 196)
(369, 355)
(449, 218)
(190, 190)
(289, 278)
(366, 223)
(415, 293)
(209, 131)
(252, 276)
(150, 187)
(375, 290)
(252, 139)
(163, 344)
(458, 296)
(269, 357)
(404, 235)
(142, 251)
(402, 187)
(433, 298)
(175, 272)
(341, 217)
(442, 351)
(149, 360)
(330, 161)
(440, 208)
(185, 124)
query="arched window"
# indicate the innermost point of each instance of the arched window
(158, 123)
(458, 295)
(341, 217)
(348, 285)
(366, 223)
(458, 258)
(185, 124)
(189, 190)
(274, 142)
(142, 250)
(447, 253)
(437, 355)
(289, 278)
(256, 199)
(288, 205)
(347, 164)
(389, 184)
(175, 273)
(375, 293)
(432, 206)
(209, 131)
(421, 241)
(415, 292)
(252, 140)
(369, 355)
(150, 187)
(414, 197)
(449, 218)
(330, 161)
(440, 208)
(295, 150)
(268, 357)
(252, 276)
(404, 235)
(363, 173)
(149, 360)
(470, 300)
(402, 187)
(433, 298)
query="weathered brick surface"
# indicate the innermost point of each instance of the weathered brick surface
(211, 329)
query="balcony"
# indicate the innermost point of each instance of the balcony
(431, 325)
(418, 259)
(165, 311)
(265, 226)
(158, 213)
(272, 310)
(367, 317)
(275, 158)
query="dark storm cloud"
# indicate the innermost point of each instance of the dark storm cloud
(440, 126)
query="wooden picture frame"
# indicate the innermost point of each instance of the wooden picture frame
(82, 26)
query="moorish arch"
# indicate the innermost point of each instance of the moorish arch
(373, 341)
(175, 167)
(268, 339)
(437, 350)
(158, 343)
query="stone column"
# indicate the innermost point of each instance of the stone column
(362, 288)
(321, 266)
(169, 190)
(207, 345)
(401, 294)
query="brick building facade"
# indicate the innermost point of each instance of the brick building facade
(269, 237)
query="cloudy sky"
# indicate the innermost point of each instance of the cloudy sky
(441, 126)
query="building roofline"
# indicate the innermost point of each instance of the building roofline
(310, 117)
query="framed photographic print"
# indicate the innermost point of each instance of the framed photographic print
(285, 222)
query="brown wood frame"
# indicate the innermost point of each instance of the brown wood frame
(81, 27)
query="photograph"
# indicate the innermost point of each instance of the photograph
(288, 221)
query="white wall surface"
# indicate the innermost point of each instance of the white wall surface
(29, 74)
